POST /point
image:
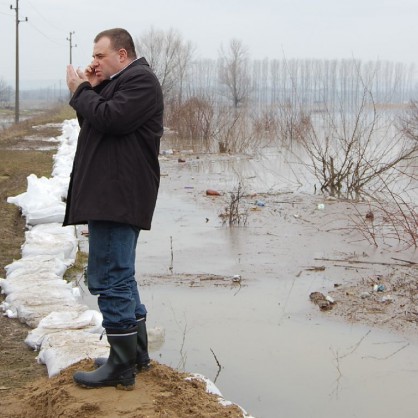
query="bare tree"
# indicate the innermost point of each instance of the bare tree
(409, 121)
(6, 93)
(168, 55)
(234, 73)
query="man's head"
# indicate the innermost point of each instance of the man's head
(113, 50)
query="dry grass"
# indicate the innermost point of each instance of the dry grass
(17, 363)
(16, 163)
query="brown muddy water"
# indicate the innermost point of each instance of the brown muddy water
(258, 336)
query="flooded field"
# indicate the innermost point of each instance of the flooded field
(234, 302)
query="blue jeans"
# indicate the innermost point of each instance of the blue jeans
(111, 273)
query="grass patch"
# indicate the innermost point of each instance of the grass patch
(25, 128)
(15, 165)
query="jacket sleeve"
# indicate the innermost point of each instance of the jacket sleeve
(97, 89)
(135, 99)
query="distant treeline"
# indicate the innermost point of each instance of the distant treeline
(307, 82)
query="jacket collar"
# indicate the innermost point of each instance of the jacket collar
(137, 61)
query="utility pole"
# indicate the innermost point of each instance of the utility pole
(17, 59)
(70, 40)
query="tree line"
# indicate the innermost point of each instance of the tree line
(236, 78)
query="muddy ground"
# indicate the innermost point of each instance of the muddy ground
(379, 292)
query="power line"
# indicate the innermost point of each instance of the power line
(44, 18)
(45, 36)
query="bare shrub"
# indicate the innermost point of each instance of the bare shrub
(292, 124)
(215, 128)
(358, 152)
(233, 213)
(234, 131)
(193, 120)
(388, 222)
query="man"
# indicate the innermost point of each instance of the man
(113, 188)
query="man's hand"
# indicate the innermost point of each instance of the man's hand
(91, 75)
(75, 78)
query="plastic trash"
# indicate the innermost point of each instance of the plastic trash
(167, 152)
(321, 206)
(211, 192)
(236, 278)
(260, 203)
(330, 299)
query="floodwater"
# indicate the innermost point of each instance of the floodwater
(261, 340)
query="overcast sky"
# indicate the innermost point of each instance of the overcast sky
(325, 29)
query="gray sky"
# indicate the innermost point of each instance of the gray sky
(325, 29)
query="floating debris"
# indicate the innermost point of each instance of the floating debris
(325, 303)
(370, 215)
(211, 192)
(236, 278)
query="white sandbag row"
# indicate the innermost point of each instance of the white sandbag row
(64, 330)
(43, 201)
(35, 286)
(67, 337)
(51, 239)
(64, 348)
(63, 159)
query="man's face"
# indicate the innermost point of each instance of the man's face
(106, 61)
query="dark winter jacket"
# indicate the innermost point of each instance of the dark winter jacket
(116, 173)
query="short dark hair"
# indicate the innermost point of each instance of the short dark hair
(119, 39)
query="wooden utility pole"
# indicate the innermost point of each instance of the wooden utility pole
(17, 59)
(70, 40)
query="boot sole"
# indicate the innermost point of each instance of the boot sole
(142, 368)
(117, 385)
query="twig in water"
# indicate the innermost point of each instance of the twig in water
(183, 355)
(172, 255)
(405, 261)
(356, 345)
(337, 359)
(390, 355)
(219, 365)
(381, 263)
